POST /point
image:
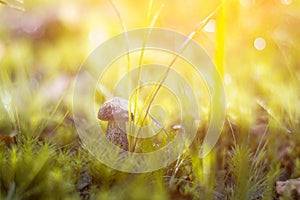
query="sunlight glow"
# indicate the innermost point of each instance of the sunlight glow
(210, 26)
(227, 79)
(69, 13)
(286, 2)
(260, 43)
(6, 101)
(247, 3)
(97, 36)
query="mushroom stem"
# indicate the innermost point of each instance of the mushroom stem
(116, 112)
(116, 133)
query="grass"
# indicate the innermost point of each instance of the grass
(42, 157)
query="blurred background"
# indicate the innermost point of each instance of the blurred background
(255, 44)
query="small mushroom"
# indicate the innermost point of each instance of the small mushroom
(115, 111)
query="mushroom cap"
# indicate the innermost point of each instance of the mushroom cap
(115, 109)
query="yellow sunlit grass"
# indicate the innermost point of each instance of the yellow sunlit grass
(254, 45)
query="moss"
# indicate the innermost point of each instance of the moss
(31, 169)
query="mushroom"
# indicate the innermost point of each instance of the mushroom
(115, 111)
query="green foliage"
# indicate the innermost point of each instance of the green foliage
(240, 167)
(147, 186)
(253, 177)
(269, 186)
(40, 156)
(31, 169)
(204, 171)
(296, 172)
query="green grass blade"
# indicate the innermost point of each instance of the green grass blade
(154, 92)
(220, 39)
(145, 39)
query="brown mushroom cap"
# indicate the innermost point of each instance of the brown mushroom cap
(115, 109)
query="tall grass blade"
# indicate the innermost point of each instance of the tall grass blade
(126, 37)
(154, 92)
(146, 36)
(220, 39)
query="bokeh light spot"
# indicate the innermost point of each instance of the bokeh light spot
(260, 43)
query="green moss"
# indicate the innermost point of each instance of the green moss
(32, 169)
